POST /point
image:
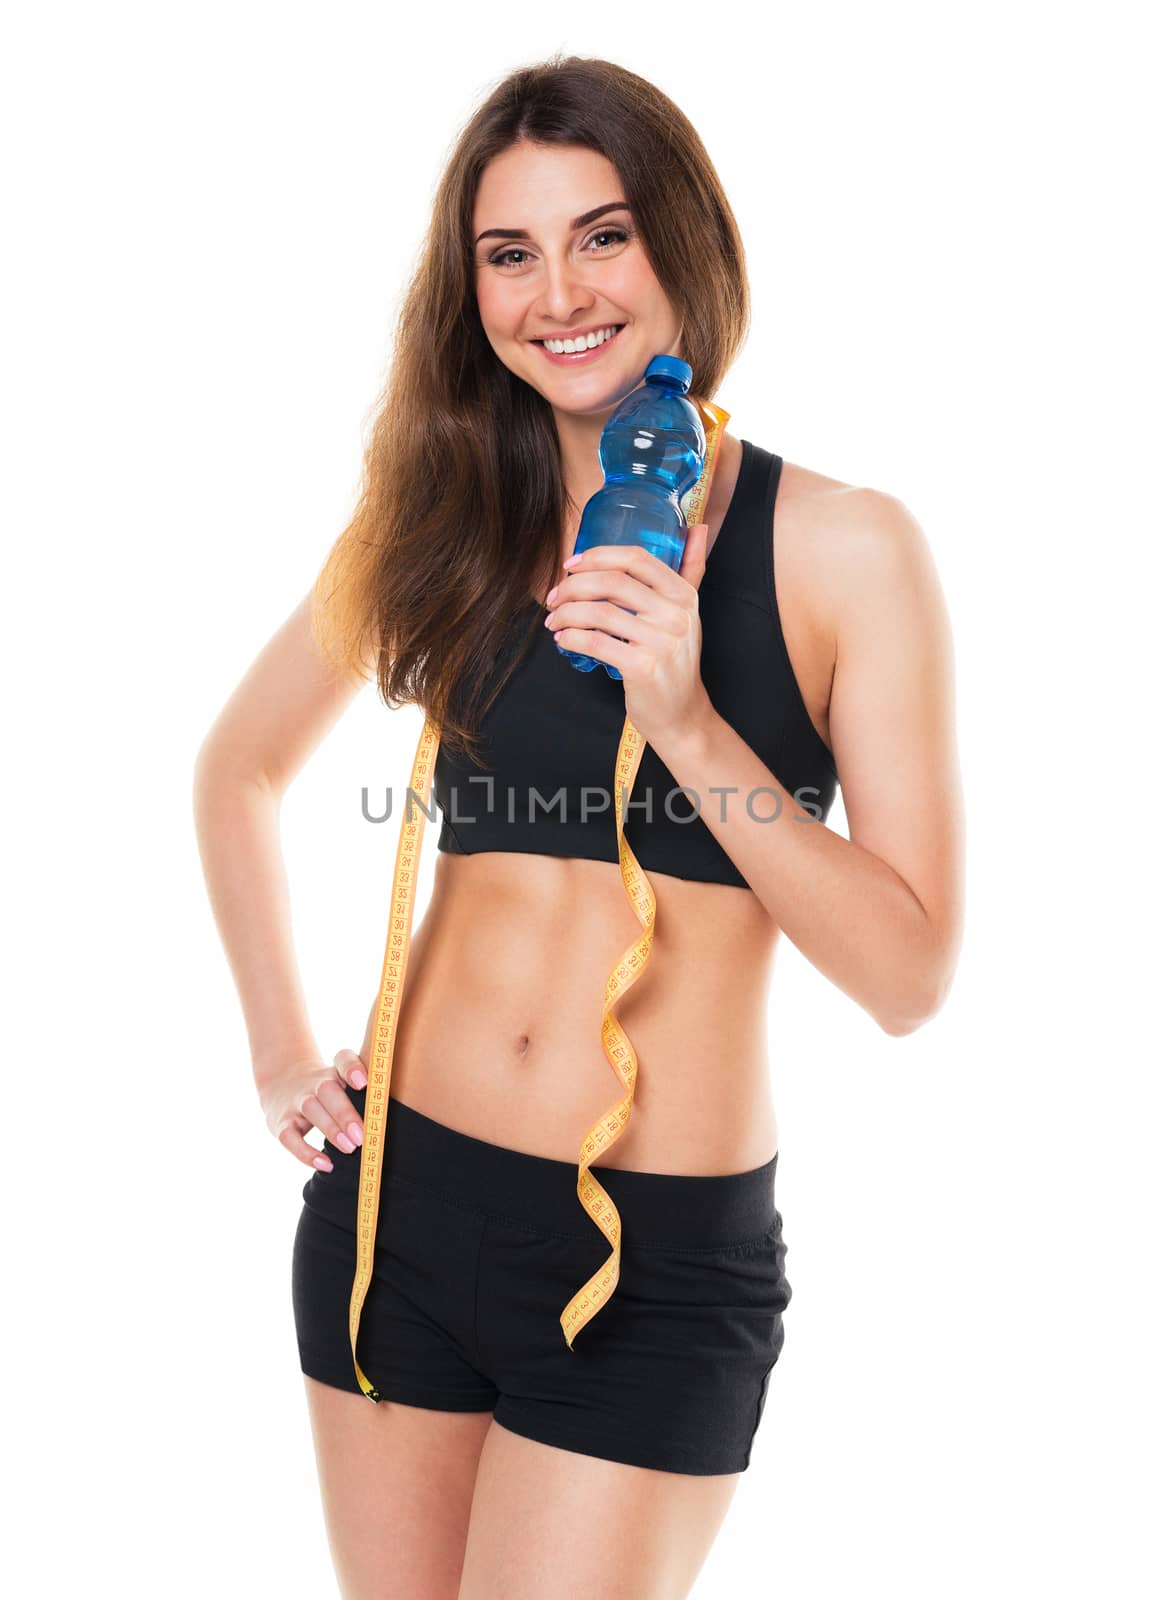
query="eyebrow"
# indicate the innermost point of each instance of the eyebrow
(576, 222)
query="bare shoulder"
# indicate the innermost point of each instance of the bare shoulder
(841, 546)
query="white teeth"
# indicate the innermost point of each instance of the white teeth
(586, 341)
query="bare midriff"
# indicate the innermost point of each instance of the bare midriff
(499, 1028)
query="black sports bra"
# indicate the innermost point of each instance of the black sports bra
(550, 738)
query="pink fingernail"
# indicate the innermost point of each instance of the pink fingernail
(359, 1077)
(571, 561)
(322, 1164)
(356, 1132)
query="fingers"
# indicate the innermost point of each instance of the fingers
(333, 1098)
(615, 585)
(632, 565)
(291, 1136)
(350, 1066)
(602, 615)
(328, 1109)
(322, 1102)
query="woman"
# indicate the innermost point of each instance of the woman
(806, 620)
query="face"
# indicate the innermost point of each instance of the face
(559, 274)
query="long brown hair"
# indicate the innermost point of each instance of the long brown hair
(463, 501)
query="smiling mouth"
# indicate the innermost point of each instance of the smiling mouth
(573, 357)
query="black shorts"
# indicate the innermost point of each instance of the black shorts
(479, 1248)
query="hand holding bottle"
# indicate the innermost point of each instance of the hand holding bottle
(622, 605)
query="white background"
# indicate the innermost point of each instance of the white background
(954, 219)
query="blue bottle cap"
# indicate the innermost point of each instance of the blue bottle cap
(670, 367)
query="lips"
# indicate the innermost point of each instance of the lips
(575, 357)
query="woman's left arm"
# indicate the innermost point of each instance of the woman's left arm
(879, 913)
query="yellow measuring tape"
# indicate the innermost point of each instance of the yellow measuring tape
(618, 1048)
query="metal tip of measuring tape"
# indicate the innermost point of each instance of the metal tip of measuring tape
(373, 1394)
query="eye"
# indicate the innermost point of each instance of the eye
(609, 233)
(500, 260)
(502, 257)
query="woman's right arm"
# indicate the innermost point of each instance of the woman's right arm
(282, 709)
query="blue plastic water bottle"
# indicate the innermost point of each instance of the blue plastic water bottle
(653, 449)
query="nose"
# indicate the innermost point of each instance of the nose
(564, 297)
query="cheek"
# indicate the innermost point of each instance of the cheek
(499, 317)
(488, 292)
(636, 288)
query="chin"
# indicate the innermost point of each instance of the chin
(598, 405)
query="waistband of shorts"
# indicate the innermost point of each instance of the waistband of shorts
(540, 1193)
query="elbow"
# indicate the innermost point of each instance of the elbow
(920, 991)
(897, 1027)
(200, 764)
(208, 761)
(215, 775)
(200, 774)
(207, 772)
(223, 760)
(917, 1007)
